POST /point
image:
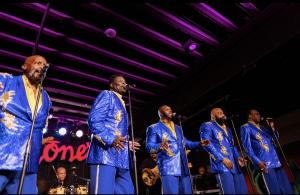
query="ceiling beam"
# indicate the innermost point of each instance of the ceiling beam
(88, 27)
(72, 72)
(183, 26)
(215, 16)
(87, 46)
(19, 71)
(147, 31)
(79, 59)
(249, 8)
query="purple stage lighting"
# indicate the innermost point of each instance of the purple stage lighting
(110, 33)
(190, 45)
(193, 46)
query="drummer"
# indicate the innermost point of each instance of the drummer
(61, 175)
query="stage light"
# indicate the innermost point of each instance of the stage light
(110, 33)
(45, 130)
(62, 131)
(79, 133)
(50, 116)
(190, 45)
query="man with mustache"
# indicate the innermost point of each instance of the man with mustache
(166, 139)
(109, 154)
(259, 145)
(18, 96)
(225, 160)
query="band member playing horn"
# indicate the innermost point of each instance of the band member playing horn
(109, 150)
(225, 160)
(18, 96)
(258, 143)
(166, 139)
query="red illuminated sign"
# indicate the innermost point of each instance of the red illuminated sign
(52, 150)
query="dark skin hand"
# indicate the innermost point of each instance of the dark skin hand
(204, 143)
(242, 161)
(263, 167)
(227, 163)
(119, 143)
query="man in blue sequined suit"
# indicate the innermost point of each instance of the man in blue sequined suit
(166, 139)
(17, 101)
(109, 156)
(258, 143)
(225, 160)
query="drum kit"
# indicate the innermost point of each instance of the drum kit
(69, 190)
(73, 188)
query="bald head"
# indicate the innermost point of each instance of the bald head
(61, 173)
(216, 113)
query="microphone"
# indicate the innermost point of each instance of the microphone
(231, 117)
(130, 86)
(178, 116)
(110, 33)
(46, 67)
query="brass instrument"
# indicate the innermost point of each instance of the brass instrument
(150, 176)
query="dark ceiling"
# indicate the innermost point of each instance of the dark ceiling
(235, 41)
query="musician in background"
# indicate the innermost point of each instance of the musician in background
(61, 176)
(204, 180)
(150, 175)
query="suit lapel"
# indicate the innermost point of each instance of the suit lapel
(167, 129)
(222, 130)
(259, 130)
(120, 105)
(23, 97)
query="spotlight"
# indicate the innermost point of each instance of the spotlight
(79, 133)
(50, 116)
(190, 45)
(45, 130)
(110, 33)
(62, 131)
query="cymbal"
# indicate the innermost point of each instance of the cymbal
(74, 168)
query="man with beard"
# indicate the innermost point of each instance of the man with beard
(258, 143)
(109, 156)
(18, 96)
(166, 139)
(224, 158)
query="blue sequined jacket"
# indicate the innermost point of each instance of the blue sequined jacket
(169, 163)
(108, 118)
(259, 145)
(15, 124)
(221, 146)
